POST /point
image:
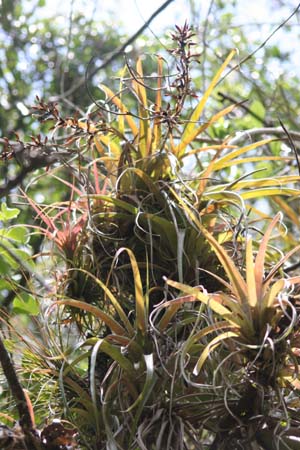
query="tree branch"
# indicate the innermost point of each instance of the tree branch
(22, 402)
(245, 108)
(30, 158)
(265, 130)
(119, 51)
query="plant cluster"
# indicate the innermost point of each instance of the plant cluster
(169, 320)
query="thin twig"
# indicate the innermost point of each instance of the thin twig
(245, 108)
(205, 44)
(291, 144)
(66, 62)
(261, 45)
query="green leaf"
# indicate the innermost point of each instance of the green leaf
(8, 213)
(275, 148)
(6, 261)
(4, 268)
(259, 110)
(189, 133)
(19, 258)
(26, 304)
(4, 284)
(112, 351)
(150, 382)
(274, 51)
(18, 234)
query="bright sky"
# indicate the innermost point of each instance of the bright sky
(131, 15)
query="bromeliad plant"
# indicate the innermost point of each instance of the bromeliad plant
(135, 369)
(143, 153)
(255, 329)
(130, 172)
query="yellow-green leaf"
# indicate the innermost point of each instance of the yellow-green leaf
(250, 276)
(195, 294)
(157, 125)
(260, 258)
(115, 99)
(96, 312)
(140, 303)
(198, 110)
(222, 162)
(269, 192)
(210, 347)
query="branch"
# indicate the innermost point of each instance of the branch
(23, 404)
(115, 54)
(205, 44)
(290, 140)
(245, 108)
(8, 142)
(12, 183)
(265, 130)
(30, 158)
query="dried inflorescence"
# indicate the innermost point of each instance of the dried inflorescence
(181, 86)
